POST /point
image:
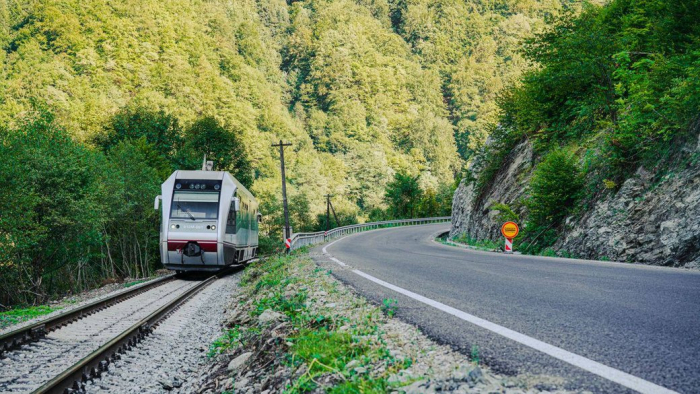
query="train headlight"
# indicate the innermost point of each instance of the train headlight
(178, 186)
(213, 227)
(172, 226)
(217, 187)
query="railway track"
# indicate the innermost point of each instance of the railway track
(60, 354)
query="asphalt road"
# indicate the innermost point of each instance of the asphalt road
(641, 320)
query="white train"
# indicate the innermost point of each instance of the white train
(209, 221)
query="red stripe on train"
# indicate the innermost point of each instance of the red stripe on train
(207, 246)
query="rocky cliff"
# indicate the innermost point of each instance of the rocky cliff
(651, 219)
(471, 213)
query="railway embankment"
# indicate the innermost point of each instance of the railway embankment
(295, 328)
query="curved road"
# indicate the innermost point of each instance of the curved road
(633, 320)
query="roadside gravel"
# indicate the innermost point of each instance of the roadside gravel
(285, 302)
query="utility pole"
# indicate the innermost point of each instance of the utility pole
(337, 222)
(287, 230)
(330, 207)
(328, 212)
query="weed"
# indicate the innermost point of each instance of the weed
(134, 283)
(389, 306)
(361, 385)
(229, 340)
(475, 355)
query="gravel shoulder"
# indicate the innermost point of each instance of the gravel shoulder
(295, 328)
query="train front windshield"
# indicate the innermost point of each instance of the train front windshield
(195, 205)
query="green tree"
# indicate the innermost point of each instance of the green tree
(156, 134)
(130, 247)
(207, 136)
(52, 211)
(403, 196)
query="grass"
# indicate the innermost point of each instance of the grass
(230, 339)
(485, 244)
(488, 245)
(361, 386)
(134, 283)
(389, 306)
(321, 342)
(15, 316)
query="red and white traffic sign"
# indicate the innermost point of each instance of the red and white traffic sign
(288, 243)
(509, 230)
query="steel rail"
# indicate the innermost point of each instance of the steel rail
(33, 332)
(93, 365)
(303, 239)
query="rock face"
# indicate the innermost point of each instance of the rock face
(471, 215)
(644, 222)
(651, 219)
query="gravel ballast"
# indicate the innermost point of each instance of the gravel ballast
(174, 357)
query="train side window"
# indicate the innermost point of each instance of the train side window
(231, 220)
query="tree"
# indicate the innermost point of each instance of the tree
(156, 134)
(51, 201)
(224, 147)
(403, 196)
(555, 188)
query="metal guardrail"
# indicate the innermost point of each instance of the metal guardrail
(304, 239)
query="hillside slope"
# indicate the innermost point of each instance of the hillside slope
(596, 152)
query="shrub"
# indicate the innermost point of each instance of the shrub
(554, 191)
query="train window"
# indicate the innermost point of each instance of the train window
(231, 221)
(195, 205)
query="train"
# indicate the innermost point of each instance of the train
(209, 221)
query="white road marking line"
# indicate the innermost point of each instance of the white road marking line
(609, 373)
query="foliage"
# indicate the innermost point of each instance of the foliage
(229, 78)
(130, 242)
(406, 199)
(224, 147)
(72, 215)
(555, 189)
(616, 72)
(474, 44)
(619, 83)
(230, 339)
(318, 339)
(389, 306)
(505, 213)
(402, 195)
(51, 203)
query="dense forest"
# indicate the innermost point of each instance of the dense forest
(384, 102)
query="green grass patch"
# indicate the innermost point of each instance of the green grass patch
(481, 244)
(134, 283)
(323, 352)
(230, 339)
(361, 386)
(15, 316)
